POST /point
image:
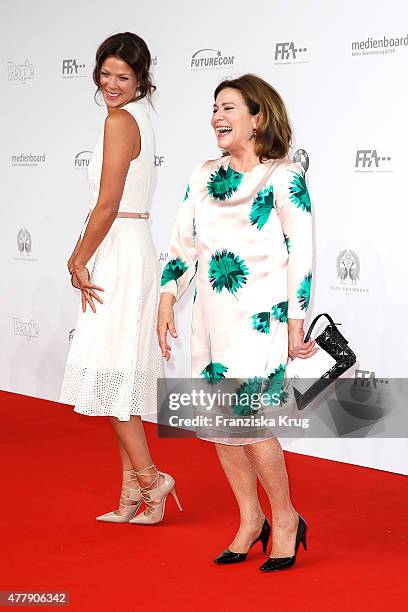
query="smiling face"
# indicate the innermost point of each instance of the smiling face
(232, 122)
(118, 82)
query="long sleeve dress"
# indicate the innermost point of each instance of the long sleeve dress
(246, 239)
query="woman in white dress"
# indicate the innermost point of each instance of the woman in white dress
(244, 232)
(114, 361)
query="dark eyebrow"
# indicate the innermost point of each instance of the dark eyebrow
(225, 103)
(121, 74)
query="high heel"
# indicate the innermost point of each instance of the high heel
(154, 496)
(228, 556)
(129, 494)
(278, 563)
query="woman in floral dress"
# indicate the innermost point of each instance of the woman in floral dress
(244, 231)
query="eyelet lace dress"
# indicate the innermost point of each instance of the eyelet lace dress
(114, 359)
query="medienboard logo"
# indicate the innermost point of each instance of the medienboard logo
(28, 329)
(348, 273)
(210, 59)
(302, 157)
(72, 69)
(27, 159)
(288, 53)
(369, 160)
(20, 72)
(379, 46)
(24, 246)
(82, 159)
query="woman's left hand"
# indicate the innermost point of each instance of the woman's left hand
(80, 279)
(298, 348)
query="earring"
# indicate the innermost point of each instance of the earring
(254, 133)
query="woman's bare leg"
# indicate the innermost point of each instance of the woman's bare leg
(134, 449)
(268, 461)
(124, 457)
(243, 481)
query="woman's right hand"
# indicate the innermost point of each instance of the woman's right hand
(70, 262)
(165, 322)
(297, 347)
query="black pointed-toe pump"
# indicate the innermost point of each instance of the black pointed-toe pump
(274, 564)
(228, 556)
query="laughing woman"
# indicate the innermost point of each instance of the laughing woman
(245, 230)
(114, 361)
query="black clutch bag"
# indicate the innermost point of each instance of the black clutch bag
(337, 353)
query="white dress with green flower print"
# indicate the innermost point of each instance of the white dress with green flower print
(246, 239)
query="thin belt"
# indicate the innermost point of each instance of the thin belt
(133, 215)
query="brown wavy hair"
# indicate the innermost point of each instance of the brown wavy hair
(133, 50)
(273, 132)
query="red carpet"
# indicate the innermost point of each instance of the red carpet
(60, 470)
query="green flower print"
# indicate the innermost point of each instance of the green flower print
(245, 404)
(261, 321)
(223, 183)
(303, 292)
(299, 194)
(214, 372)
(187, 193)
(195, 272)
(227, 271)
(280, 312)
(274, 386)
(173, 270)
(261, 207)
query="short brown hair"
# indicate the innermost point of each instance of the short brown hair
(274, 134)
(131, 49)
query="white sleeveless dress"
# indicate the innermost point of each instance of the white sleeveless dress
(114, 359)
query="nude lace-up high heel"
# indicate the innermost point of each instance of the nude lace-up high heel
(154, 496)
(129, 503)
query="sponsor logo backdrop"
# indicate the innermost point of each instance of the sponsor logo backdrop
(339, 67)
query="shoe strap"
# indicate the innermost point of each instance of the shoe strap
(126, 489)
(132, 475)
(146, 490)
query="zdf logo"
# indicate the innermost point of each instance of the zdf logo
(158, 161)
(369, 159)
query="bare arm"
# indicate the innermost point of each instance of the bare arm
(75, 251)
(73, 255)
(121, 144)
(165, 321)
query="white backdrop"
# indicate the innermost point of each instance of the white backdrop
(340, 67)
